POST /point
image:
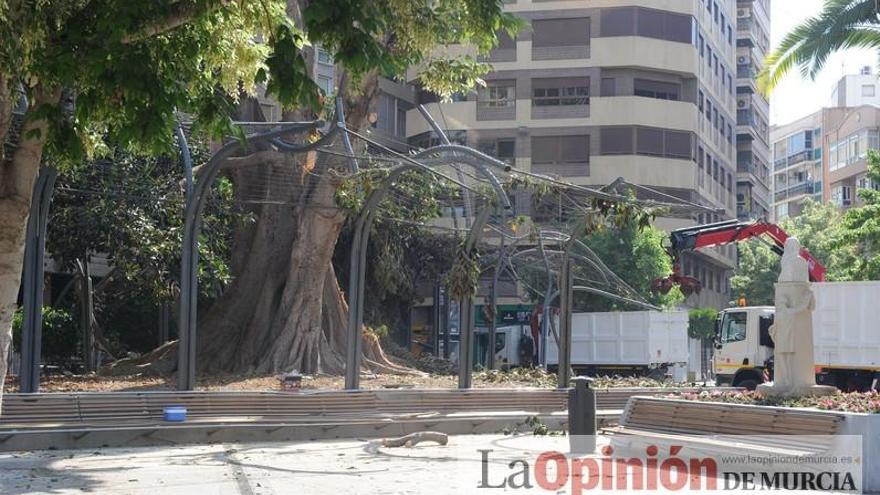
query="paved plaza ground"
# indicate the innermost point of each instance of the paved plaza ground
(315, 468)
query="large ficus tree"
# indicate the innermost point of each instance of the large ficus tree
(118, 71)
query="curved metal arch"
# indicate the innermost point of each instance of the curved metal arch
(195, 205)
(32, 297)
(357, 261)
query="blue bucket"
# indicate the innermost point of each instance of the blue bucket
(175, 413)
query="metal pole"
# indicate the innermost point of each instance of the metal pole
(87, 306)
(435, 321)
(444, 322)
(582, 416)
(548, 298)
(466, 195)
(189, 284)
(346, 141)
(565, 302)
(465, 346)
(35, 248)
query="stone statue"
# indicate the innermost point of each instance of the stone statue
(792, 330)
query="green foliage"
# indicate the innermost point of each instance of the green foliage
(129, 66)
(637, 256)
(861, 229)
(701, 323)
(60, 335)
(842, 24)
(757, 272)
(402, 252)
(819, 228)
(463, 279)
(130, 207)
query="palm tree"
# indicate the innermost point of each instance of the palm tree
(842, 24)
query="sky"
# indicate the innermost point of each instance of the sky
(796, 97)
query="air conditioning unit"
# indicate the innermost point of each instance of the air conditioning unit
(741, 60)
(741, 104)
(742, 12)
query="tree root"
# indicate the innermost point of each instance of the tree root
(376, 359)
(158, 362)
(414, 439)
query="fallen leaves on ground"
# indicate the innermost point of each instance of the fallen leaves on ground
(857, 402)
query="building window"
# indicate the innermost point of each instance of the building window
(400, 125)
(678, 144)
(657, 89)
(502, 149)
(561, 150)
(650, 141)
(782, 211)
(609, 86)
(561, 91)
(326, 84)
(391, 115)
(700, 100)
(561, 32)
(616, 140)
(865, 182)
(650, 23)
(505, 41)
(324, 56)
(841, 196)
(497, 94)
(430, 139)
(868, 90)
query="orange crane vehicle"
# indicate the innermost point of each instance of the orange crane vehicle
(719, 234)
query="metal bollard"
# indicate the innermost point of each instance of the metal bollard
(582, 416)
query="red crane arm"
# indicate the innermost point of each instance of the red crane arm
(719, 234)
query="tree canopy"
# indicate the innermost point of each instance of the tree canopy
(821, 229)
(860, 231)
(125, 68)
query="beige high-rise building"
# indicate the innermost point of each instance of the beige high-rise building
(593, 90)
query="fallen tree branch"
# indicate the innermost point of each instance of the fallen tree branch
(414, 439)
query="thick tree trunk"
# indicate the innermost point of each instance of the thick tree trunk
(17, 175)
(284, 310)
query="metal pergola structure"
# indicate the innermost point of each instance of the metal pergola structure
(485, 169)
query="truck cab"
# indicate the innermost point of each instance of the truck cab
(743, 347)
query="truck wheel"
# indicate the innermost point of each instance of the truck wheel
(748, 384)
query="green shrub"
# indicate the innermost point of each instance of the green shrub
(60, 342)
(701, 323)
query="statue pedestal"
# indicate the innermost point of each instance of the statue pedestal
(771, 390)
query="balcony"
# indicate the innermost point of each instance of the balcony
(797, 189)
(745, 117)
(745, 72)
(746, 164)
(803, 156)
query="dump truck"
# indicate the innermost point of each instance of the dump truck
(846, 339)
(633, 343)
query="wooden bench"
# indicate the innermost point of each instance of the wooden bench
(721, 427)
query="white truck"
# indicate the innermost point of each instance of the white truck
(647, 343)
(846, 339)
